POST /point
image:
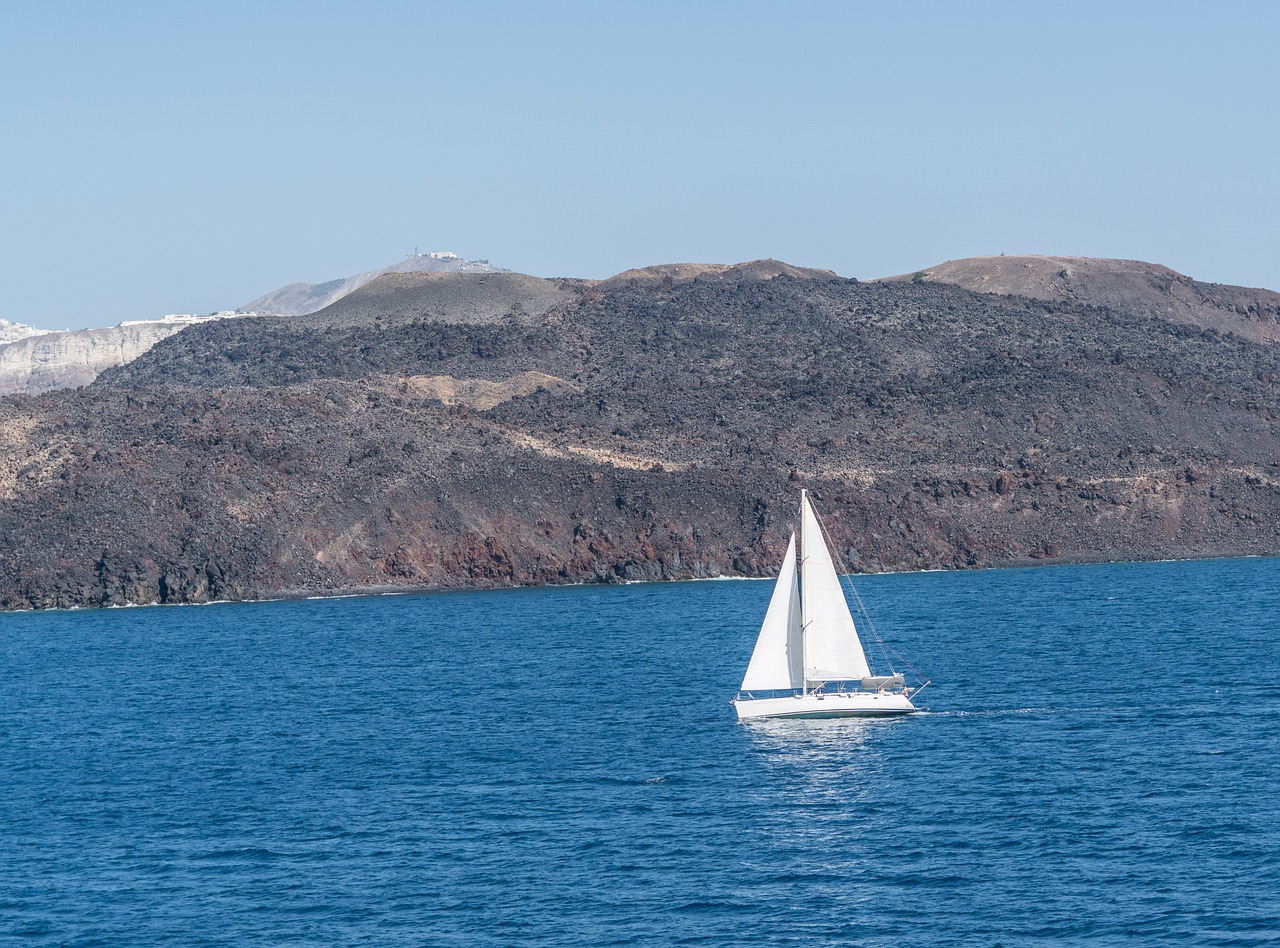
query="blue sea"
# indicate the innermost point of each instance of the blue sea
(1099, 763)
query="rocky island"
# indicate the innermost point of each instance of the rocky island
(482, 428)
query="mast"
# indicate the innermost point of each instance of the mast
(804, 636)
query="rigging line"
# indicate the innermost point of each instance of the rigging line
(887, 652)
(898, 655)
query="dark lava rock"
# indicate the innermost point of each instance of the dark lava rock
(652, 429)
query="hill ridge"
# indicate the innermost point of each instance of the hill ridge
(301, 299)
(1126, 285)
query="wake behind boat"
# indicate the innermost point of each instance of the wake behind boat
(808, 660)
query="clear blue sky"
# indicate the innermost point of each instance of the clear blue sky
(170, 157)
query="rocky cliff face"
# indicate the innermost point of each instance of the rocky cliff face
(654, 428)
(12, 332)
(32, 360)
(51, 360)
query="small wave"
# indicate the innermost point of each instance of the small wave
(243, 852)
(1001, 712)
(637, 781)
(713, 905)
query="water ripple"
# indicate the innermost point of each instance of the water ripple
(559, 767)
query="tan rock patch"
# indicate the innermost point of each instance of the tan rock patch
(482, 394)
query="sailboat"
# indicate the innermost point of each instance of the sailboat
(808, 661)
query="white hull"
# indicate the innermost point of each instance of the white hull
(853, 704)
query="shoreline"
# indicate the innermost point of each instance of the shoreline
(376, 591)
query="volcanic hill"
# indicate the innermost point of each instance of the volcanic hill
(1129, 286)
(299, 299)
(33, 360)
(656, 425)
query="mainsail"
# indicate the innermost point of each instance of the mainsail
(777, 662)
(832, 651)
